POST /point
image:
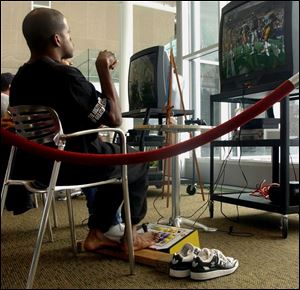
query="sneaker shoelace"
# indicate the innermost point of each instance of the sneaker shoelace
(221, 257)
(223, 261)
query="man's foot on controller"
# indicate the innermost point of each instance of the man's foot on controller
(97, 240)
(141, 241)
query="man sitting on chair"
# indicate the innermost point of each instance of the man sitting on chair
(45, 80)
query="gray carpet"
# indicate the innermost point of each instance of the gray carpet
(267, 261)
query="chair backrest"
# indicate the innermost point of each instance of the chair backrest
(37, 123)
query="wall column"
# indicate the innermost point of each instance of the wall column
(126, 48)
(178, 36)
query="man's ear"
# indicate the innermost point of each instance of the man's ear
(55, 39)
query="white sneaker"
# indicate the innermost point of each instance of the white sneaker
(180, 266)
(211, 263)
(116, 232)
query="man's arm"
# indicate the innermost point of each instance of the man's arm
(105, 62)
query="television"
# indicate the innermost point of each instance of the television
(258, 45)
(148, 79)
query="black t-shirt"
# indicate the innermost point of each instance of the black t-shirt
(79, 105)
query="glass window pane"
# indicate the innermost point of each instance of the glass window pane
(209, 23)
(204, 24)
(202, 74)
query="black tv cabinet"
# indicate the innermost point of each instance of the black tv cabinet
(280, 163)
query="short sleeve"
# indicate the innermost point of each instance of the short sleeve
(98, 110)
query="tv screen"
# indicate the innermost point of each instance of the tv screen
(148, 79)
(255, 45)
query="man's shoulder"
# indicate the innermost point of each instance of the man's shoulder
(60, 67)
(67, 71)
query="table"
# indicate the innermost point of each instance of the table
(176, 220)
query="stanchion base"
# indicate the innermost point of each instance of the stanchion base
(180, 222)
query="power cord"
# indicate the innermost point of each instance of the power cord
(231, 232)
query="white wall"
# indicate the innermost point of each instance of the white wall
(255, 172)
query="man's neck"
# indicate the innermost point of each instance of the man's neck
(36, 56)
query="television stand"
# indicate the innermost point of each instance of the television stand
(280, 160)
(146, 114)
(142, 138)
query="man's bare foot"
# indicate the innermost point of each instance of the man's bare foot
(97, 240)
(144, 240)
(141, 241)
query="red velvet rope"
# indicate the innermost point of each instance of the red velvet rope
(165, 152)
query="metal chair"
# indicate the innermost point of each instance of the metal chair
(41, 124)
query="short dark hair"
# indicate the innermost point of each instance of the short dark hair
(40, 25)
(6, 79)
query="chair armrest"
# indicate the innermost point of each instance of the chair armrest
(91, 131)
(98, 130)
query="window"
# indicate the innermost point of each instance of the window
(200, 59)
(200, 25)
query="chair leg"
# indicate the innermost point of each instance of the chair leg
(53, 208)
(6, 177)
(128, 223)
(54, 212)
(71, 220)
(43, 224)
(35, 200)
(128, 228)
(44, 196)
(39, 240)
(3, 197)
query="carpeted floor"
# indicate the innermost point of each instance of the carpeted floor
(267, 261)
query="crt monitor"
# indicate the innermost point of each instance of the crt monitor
(258, 44)
(148, 79)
